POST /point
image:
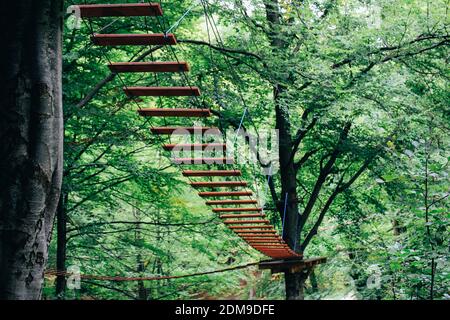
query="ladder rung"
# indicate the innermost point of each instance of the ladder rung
(271, 235)
(133, 39)
(264, 241)
(193, 113)
(225, 202)
(120, 10)
(269, 246)
(196, 146)
(240, 216)
(235, 209)
(246, 221)
(250, 232)
(211, 173)
(225, 194)
(168, 66)
(261, 237)
(248, 238)
(185, 130)
(161, 91)
(188, 161)
(250, 227)
(209, 184)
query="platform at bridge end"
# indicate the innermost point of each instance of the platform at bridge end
(291, 265)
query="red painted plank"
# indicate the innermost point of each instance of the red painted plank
(161, 91)
(133, 39)
(264, 241)
(196, 146)
(203, 161)
(246, 221)
(193, 113)
(225, 202)
(250, 232)
(211, 173)
(185, 130)
(218, 184)
(261, 237)
(166, 66)
(240, 216)
(250, 227)
(236, 209)
(120, 10)
(225, 194)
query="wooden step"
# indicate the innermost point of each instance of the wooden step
(250, 227)
(166, 66)
(225, 202)
(248, 238)
(161, 91)
(120, 10)
(219, 184)
(188, 161)
(235, 209)
(185, 130)
(240, 216)
(133, 39)
(211, 173)
(270, 246)
(260, 237)
(225, 194)
(242, 222)
(259, 232)
(263, 241)
(276, 252)
(196, 146)
(245, 235)
(186, 113)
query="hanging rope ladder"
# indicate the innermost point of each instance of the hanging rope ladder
(249, 223)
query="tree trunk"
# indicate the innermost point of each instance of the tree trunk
(31, 130)
(142, 290)
(61, 245)
(313, 280)
(290, 214)
(295, 285)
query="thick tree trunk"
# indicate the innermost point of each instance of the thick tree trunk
(295, 285)
(31, 131)
(289, 215)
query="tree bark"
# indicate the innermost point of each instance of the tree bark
(290, 215)
(295, 285)
(31, 130)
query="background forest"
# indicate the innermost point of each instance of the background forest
(377, 68)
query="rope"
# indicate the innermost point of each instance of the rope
(123, 279)
(176, 24)
(240, 125)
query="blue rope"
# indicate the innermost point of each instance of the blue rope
(240, 125)
(176, 24)
(284, 214)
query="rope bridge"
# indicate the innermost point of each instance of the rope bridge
(222, 189)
